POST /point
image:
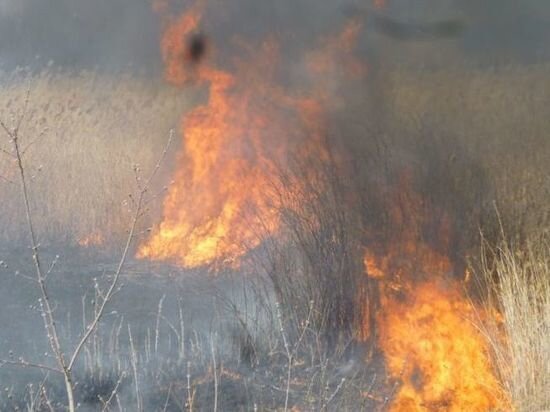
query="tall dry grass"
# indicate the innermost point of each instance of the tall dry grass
(519, 291)
(499, 118)
(98, 126)
(94, 129)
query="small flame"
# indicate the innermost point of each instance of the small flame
(92, 239)
(337, 55)
(174, 43)
(379, 4)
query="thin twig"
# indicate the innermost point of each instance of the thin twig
(335, 392)
(47, 400)
(92, 326)
(288, 354)
(167, 398)
(134, 361)
(189, 397)
(215, 375)
(157, 328)
(113, 393)
(39, 392)
(25, 364)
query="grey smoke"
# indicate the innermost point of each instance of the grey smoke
(123, 34)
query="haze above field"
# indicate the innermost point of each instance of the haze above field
(331, 205)
(122, 34)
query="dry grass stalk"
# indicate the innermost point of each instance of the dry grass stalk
(66, 360)
(519, 282)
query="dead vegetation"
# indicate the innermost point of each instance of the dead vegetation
(298, 347)
(83, 134)
(519, 292)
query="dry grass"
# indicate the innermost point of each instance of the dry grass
(94, 129)
(519, 282)
(99, 126)
(499, 118)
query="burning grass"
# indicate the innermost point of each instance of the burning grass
(424, 320)
(350, 221)
(99, 126)
(316, 349)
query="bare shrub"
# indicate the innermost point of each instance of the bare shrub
(65, 359)
(315, 266)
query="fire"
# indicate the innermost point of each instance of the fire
(337, 54)
(430, 342)
(92, 239)
(425, 325)
(379, 4)
(217, 209)
(210, 211)
(174, 43)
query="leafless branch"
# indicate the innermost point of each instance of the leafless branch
(25, 364)
(112, 288)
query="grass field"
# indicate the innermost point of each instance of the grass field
(478, 142)
(93, 130)
(97, 127)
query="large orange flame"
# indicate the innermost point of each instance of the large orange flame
(211, 209)
(430, 342)
(425, 323)
(217, 209)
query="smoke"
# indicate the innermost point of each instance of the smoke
(124, 34)
(78, 34)
(11, 9)
(378, 144)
